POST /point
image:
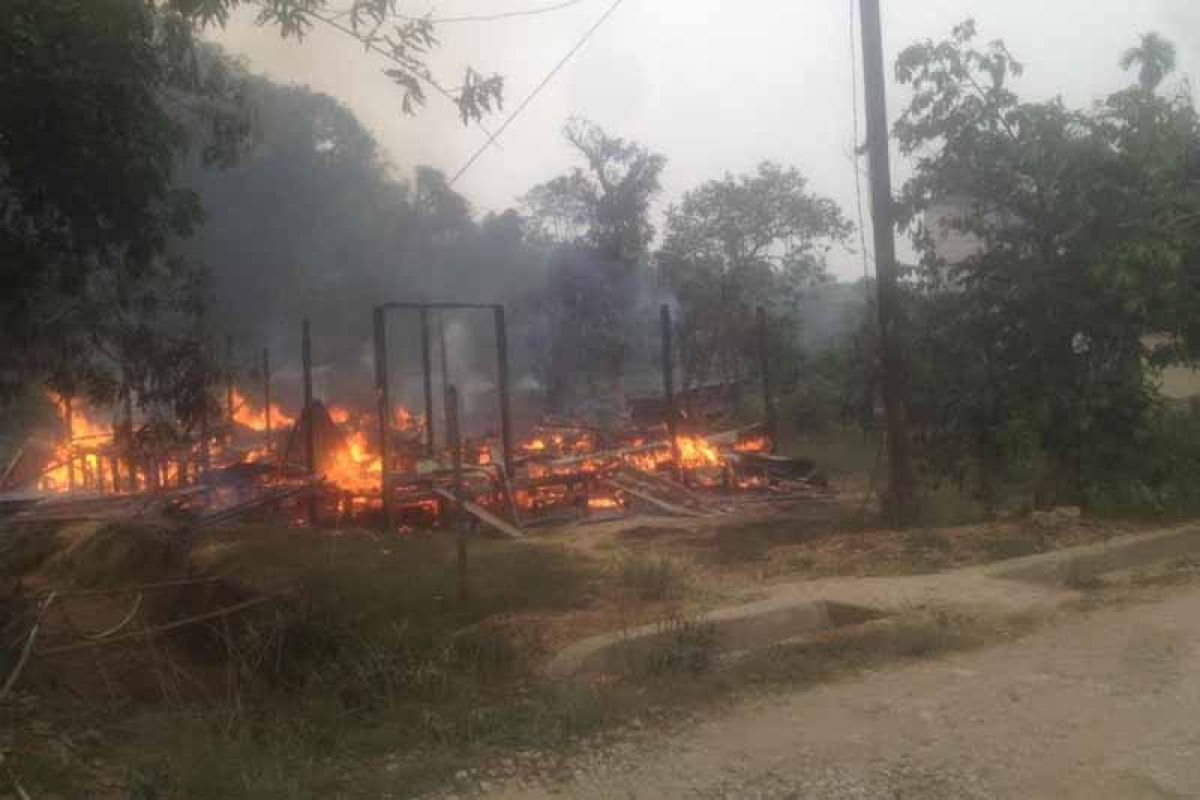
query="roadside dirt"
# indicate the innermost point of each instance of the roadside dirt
(1097, 705)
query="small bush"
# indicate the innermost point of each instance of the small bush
(1005, 547)
(741, 543)
(651, 577)
(689, 647)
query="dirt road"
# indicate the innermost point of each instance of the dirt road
(1105, 704)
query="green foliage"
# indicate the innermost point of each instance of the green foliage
(596, 218)
(734, 244)
(97, 100)
(1156, 477)
(1084, 225)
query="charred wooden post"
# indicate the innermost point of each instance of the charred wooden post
(764, 367)
(668, 372)
(383, 406)
(68, 424)
(502, 381)
(266, 376)
(427, 380)
(310, 445)
(454, 440)
(229, 409)
(130, 451)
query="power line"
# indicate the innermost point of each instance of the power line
(536, 90)
(526, 12)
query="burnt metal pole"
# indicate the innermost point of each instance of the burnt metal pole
(454, 440)
(310, 444)
(427, 380)
(900, 504)
(383, 406)
(764, 367)
(668, 373)
(266, 377)
(506, 441)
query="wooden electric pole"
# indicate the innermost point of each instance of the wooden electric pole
(900, 500)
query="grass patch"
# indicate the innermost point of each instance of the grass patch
(651, 577)
(1001, 548)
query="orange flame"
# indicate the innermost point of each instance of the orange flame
(602, 502)
(755, 444)
(87, 431)
(253, 417)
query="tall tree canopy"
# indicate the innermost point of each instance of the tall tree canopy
(597, 218)
(1086, 224)
(100, 103)
(736, 243)
(605, 204)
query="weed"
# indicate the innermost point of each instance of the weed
(651, 577)
(737, 544)
(688, 646)
(1013, 546)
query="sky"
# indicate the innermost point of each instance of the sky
(715, 85)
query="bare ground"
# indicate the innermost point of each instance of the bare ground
(1097, 705)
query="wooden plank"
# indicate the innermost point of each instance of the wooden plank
(483, 515)
(657, 502)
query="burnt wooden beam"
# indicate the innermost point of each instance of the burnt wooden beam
(383, 409)
(668, 373)
(427, 381)
(506, 438)
(229, 409)
(454, 440)
(266, 378)
(764, 367)
(310, 444)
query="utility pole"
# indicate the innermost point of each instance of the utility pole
(900, 504)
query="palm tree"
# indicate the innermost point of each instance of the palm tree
(1155, 57)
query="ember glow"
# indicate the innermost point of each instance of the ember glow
(694, 451)
(754, 444)
(355, 467)
(603, 503)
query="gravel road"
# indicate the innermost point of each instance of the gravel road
(1104, 704)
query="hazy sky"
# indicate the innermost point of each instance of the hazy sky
(715, 85)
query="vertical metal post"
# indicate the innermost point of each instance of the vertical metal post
(229, 381)
(427, 376)
(502, 381)
(310, 445)
(668, 374)
(454, 439)
(68, 423)
(900, 503)
(266, 376)
(764, 367)
(383, 407)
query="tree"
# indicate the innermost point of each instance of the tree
(96, 101)
(605, 206)
(103, 101)
(736, 243)
(597, 219)
(1154, 57)
(1087, 225)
